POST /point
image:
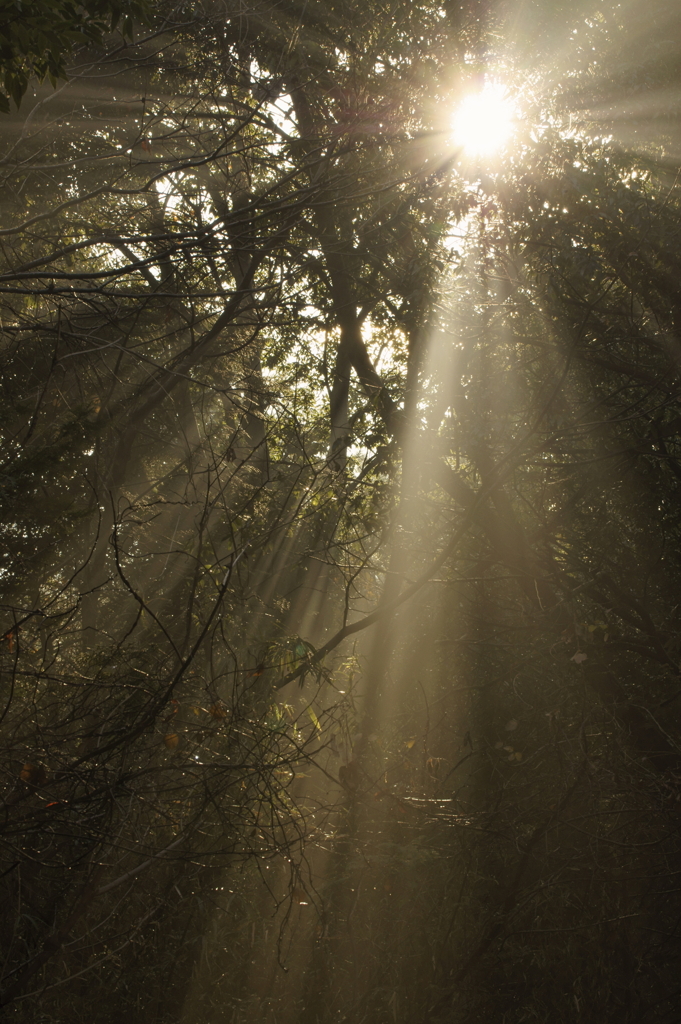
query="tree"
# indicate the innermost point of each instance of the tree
(269, 423)
(39, 41)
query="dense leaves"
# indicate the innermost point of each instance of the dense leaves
(37, 39)
(340, 533)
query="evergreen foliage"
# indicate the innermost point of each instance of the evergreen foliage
(340, 536)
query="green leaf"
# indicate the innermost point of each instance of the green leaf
(314, 719)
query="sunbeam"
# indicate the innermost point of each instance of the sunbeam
(340, 369)
(484, 121)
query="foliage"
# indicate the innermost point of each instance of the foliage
(37, 39)
(340, 542)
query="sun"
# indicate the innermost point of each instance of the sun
(484, 121)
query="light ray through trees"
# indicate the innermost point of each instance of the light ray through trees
(339, 553)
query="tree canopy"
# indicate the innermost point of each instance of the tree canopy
(340, 539)
(38, 38)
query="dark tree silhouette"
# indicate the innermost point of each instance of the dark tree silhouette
(340, 542)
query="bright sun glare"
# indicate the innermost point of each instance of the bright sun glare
(483, 123)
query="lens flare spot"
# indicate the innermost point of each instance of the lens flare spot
(484, 121)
